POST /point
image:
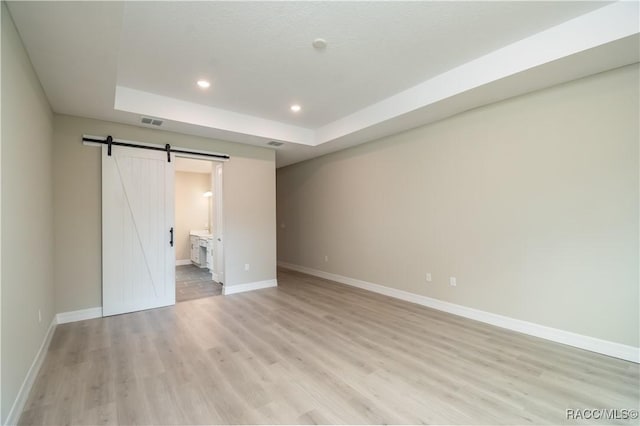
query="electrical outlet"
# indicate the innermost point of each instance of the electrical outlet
(246, 266)
(428, 277)
(452, 281)
(283, 225)
(39, 316)
(326, 258)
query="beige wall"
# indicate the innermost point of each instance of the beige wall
(249, 207)
(532, 203)
(192, 209)
(27, 214)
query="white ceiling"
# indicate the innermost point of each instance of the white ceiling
(388, 66)
(260, 59)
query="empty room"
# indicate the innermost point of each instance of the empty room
(320, 212)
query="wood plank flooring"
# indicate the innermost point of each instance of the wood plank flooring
(314, 351)
(194, 283)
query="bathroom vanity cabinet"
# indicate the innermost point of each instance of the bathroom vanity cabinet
(202, 250)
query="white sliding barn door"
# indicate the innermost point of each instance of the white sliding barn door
(138, 262)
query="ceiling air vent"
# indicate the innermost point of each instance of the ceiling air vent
(152, 121)
(275, 143)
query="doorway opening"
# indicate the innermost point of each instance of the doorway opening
(198, 228)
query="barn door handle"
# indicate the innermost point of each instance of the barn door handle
(171, 233)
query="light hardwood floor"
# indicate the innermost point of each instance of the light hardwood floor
(314, 351)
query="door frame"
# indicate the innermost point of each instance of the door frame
(218, 171)
(217, 164)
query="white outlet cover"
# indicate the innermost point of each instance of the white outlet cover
(452, 281)
(246, 266)
(428, 277)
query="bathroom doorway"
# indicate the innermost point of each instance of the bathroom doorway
(198, 228)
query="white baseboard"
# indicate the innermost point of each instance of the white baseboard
(215, 277)
(83, 314)
(29, 380)
(183, 262)
(592, 344)
(240, 288)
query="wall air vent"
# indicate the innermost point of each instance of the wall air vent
(152, 121)
(275, 143)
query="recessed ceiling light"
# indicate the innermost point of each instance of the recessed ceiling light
(204, 84)
(295, 108)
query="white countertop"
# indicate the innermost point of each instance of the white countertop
(201, 234)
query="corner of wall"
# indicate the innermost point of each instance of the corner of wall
(26, 204)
